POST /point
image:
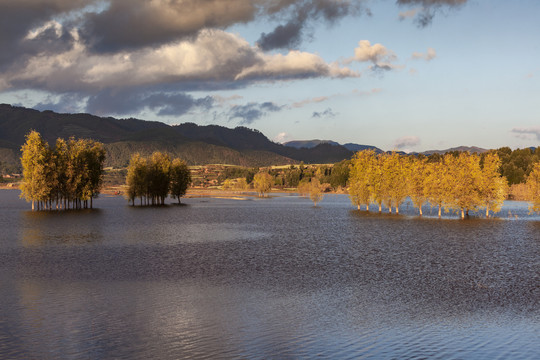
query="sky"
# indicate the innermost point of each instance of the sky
(410, 75)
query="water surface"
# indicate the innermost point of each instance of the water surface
(266, 278)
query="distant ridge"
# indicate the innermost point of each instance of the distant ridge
(196, 144)
(471, 149)
(308, 144)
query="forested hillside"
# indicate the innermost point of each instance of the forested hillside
(196, 144)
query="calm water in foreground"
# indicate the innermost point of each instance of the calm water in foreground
(272, 278)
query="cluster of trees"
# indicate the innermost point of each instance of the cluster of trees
(70, 175)
(152, 179)
(459, 182)
(516, 165)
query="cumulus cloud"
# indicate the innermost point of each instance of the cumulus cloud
(428, 56)
(214, 58)
(155, 52)
(377, 54)
(406, 142)
(527, 133)
(328, 113)
(119, 26)
(251, 112)
(294, 65)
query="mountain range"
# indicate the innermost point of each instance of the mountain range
(210, 144)
(196, 144)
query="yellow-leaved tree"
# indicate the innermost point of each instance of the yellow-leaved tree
(493, 187)
(315, 191)
(417, 182)
(465, 182)
(359, 178)
(533, 187)
(35, 161)
(262, 183)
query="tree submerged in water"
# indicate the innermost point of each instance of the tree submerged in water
(152, 179)
(66, 177)
(458, 182)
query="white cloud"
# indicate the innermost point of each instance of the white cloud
(282, 137)
(406, 142)
(428, 56)
(214, 56)
(376, 53)
(527, 133)
(295, 64)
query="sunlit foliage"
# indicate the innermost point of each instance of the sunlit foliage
(70, 175)
(459, 182)
(262, 183)
(533, 186)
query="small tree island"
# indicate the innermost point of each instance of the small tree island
(70, 175)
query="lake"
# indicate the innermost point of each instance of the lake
(266, 278)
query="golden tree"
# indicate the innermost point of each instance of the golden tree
(493, 187)
(417, 182)
(262, 182)
(315, 191)
(533, 187)
(35, 162)
(465, 182)
(359, 178)
(434, 185)
(395, 178)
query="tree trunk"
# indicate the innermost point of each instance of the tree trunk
(397, 210)
(91, 203)
(420, 208)
(487, 211)
(359, 207)
(440, 210)
(462, 214)
(33, 205)
(380, 208)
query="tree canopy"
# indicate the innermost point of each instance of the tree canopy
(70, 175)
(152, 179)
(459, 182)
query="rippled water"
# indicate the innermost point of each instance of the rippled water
(270, 278)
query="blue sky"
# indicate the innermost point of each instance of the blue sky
(411, 75)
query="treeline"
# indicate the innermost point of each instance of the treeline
(69, 176)
(454, 181)
(331, 177)
(152, 179)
